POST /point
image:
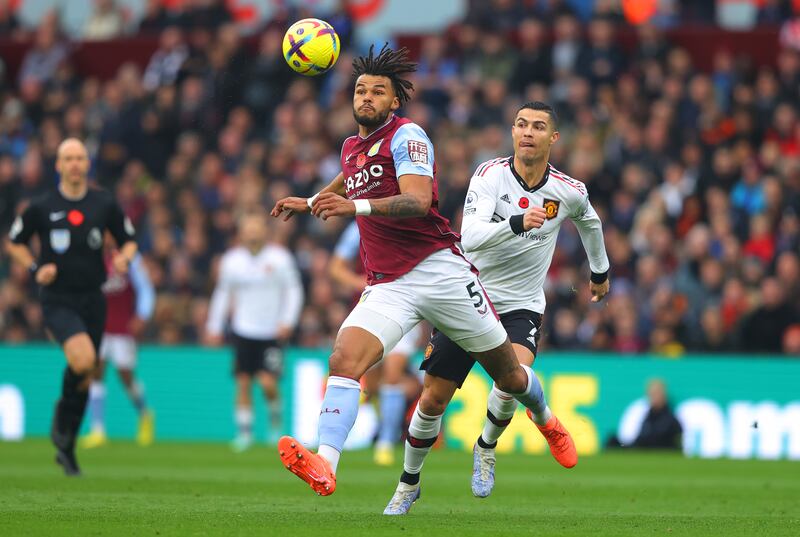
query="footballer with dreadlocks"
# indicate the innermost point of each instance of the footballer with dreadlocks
(415, 270)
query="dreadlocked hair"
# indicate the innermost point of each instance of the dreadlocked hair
(391, 64)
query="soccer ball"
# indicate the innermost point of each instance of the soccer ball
(311, 46)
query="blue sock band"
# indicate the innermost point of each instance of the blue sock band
(393, 403)
(339, 411)
(97, 405)
(533, 397)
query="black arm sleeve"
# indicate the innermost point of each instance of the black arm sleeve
(120, 225)
(25, 226)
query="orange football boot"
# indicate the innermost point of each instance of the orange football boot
(306, 465)
(561, 445)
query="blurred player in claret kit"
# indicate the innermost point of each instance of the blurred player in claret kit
(347, 270)
(415, 268)
(512, 215)
(130, 301)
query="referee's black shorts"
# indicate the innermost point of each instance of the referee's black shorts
(67, 314)
(446, 360)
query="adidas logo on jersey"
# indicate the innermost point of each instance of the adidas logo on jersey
(505, 198)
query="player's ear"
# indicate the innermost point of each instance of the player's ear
(554, 137)
(395, 104)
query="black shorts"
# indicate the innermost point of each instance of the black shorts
(67, 314)
(445, 359)
(255, 355)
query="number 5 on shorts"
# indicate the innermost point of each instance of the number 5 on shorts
(475, 294)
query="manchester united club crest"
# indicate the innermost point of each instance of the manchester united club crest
(428, 351)
(361, 159)
(551, 208)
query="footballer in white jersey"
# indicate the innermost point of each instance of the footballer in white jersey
(259, 289)
(498, 194)
(512, 214)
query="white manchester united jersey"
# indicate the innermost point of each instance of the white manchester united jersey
(264, 291)
(513, 263)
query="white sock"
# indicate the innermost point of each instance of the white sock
(96, 406)
(274, 414)
(422, 433)
(500, 408)
(330, 454)
(244, 421)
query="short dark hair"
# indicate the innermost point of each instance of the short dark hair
(544, 107)
(391, 64)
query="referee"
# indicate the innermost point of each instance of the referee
(70, 222)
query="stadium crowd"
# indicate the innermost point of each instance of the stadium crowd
(695, 174)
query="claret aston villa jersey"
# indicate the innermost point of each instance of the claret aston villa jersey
(391, 247)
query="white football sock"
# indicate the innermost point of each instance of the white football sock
(422, 433)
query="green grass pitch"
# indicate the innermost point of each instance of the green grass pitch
(204, 489)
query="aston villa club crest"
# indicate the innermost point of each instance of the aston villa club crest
(361, 159)
(551, 208)
(375, 148)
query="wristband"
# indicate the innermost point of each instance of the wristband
(310, 200)
(599, 277)
(33, 268)
(516, 224)
(363, 207)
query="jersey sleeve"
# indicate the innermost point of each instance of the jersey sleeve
(119, 225)
(478, 231)
(143, 287)
(590, 228)
(292, 299)
(349, 242)
(412, 151)
(24, 226)
(220, 299)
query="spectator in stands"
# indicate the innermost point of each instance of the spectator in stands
(763, 329)
(156, 18)
(791, 341)
(600, 60)
(9, 24)
(106, 22)
(534, 63)
(660, 428)
(43, 59)
(209, 14)
(166, 62)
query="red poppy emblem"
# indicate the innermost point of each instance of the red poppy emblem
(524, 202)
(75, 217)
(361, 160)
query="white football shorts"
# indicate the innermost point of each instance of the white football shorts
(441, 289)
(119, 349)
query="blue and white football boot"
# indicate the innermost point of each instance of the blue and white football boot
(482, 471)
(404, 497)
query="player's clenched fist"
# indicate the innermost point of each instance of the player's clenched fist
(46, 274)
(329, 204)
(534, 218)
(599, 290)
(291, 205)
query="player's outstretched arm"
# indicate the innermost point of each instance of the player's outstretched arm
(590, 229)
(20, 253)
(295, 205)
(415, 198)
